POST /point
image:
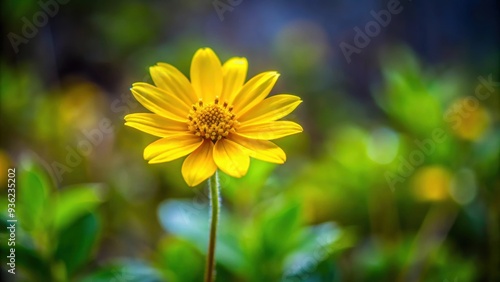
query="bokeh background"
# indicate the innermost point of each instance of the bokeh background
(395, 177)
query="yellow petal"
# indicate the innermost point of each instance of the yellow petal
(261, 149)
(271, 109)
(171, 148)
(170, 79)
(269, 131)
(199, 165)
(231, 158)
(155, 125)
(234, 74)
(160, 102)
(206, 74)
(253, 92)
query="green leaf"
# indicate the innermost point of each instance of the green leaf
(76, 241)
(280, 227)
(127, 270)
(190, 221)
(33, 188)
(75, 201)
(185, 219)
(174, 253)
(317, 244)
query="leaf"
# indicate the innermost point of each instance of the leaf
(174, 253)
(280, 227)
(76, 241)
(75, 201)
(317, 244)
(186, 220)
(33, 188)
(125, 271)
(189, 220)
(246, 190)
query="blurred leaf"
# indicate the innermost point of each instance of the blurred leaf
(229, 250)
(243, 191)
(75, 201)
(279, 227)
(189, 221)
(33, 189)
(318, 243)
(125, 271)
(76, 241)
(408, 93)
(447, 264)
(174, 253)
(185, 219)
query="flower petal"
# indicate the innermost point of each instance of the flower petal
(253, 92)
(234, 74)
(170, 79)
(199, 165)
(171, 148)
(155, 125)
(271, 109)
(270, 130)
(231, 158)
(160, 102)
(261, 149)
(206, 74)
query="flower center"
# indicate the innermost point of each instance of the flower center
(211, 121)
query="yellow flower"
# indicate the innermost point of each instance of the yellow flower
(217, 119)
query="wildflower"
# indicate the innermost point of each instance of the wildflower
(216, 119)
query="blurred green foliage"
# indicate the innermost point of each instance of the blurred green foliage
(58, 229)
(345, 206)
(331, 217)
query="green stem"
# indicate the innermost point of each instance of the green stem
(213, 185)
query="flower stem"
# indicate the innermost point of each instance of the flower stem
(213, 185)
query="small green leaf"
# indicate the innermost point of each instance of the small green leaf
(174, 253)
(127, 270)
(33, 188)
(280, 227)
(75, 201)
(317, 244)
(76, 241)
(190, 221)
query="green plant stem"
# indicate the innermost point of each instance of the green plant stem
(213, 185)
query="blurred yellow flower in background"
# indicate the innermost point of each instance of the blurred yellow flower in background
(216, 118)
(432, 183)
(470, 122)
